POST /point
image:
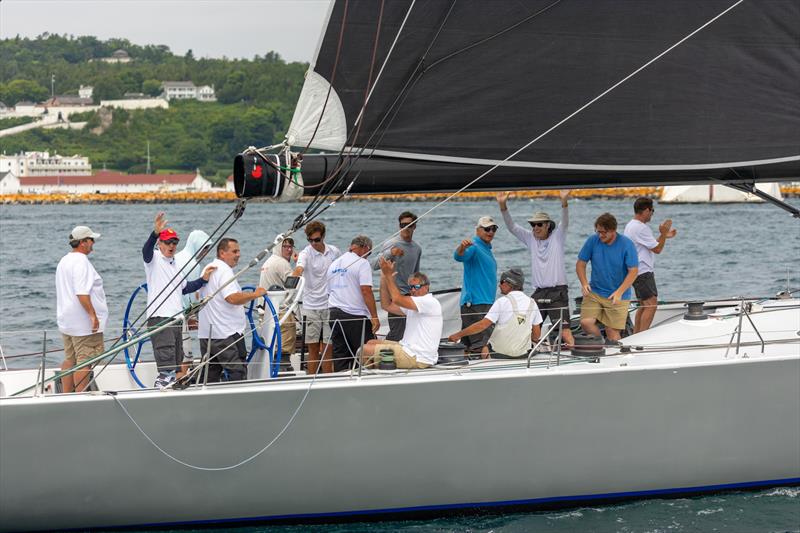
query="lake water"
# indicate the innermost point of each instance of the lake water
(720, 251)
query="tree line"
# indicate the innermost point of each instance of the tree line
(256, 98)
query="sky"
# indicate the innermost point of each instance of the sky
(210, 28)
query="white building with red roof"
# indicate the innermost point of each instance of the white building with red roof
(112, 182)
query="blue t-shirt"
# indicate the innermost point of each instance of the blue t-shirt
(480, 273)
(610, 263)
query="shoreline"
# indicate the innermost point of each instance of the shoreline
(788, 191)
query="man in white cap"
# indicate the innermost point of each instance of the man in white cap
(480, 282)
(81, 306)
(545, 242)
(514, 318)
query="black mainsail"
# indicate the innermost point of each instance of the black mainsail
(422, 95)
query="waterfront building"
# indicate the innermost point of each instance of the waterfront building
(27, 164)
(106, 182)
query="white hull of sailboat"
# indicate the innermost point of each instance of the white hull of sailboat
(491, 434)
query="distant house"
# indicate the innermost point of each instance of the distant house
(135, 103)
(9, 183)
(114, 182)
(119, 56)
(229, 184)
(179, 90)
(206, 93)
(186, 90)
(86, 92)
(3, 108)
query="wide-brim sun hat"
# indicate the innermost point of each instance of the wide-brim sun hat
(541, 216)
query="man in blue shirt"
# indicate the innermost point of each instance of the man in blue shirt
(615, 266)
(480, 283)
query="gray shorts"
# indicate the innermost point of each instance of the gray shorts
(469, 315)
(317, 326)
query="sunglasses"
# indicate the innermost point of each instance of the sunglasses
(404, 225)
(537, 224)
(417, 286)
(318, 239)
(171, 241)
(490, 229)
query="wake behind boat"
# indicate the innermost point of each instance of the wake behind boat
(416, 96)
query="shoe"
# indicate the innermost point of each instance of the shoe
(164, 380)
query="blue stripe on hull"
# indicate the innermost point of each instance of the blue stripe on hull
(475, 505)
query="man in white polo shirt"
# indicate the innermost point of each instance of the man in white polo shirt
(165, 287)
(312, 263)
(353, 315)
(222, 319)
(515, 317)
(419, 347)
(81, 306)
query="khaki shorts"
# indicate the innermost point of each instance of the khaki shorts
(288, 335)
(401, 358)
(78, 349)
(317, 325)
(611, 315)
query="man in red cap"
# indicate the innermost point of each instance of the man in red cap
(165, 285)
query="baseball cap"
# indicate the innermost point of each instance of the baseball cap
(514, 277)
(485, 222)
(79, 233)
(167, 234)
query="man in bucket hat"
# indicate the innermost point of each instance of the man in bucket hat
(165, 285)
(480, 282)
(82, 311)
(545, 242)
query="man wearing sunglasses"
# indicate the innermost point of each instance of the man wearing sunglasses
(165, 285)
(646, 247)
(419, 347)
(405, 253)
(313, 263)
(545, 242)
(480, 282)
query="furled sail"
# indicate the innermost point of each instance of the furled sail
(427, 94)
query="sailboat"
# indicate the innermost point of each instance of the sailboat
(414, 95)
(715, 194)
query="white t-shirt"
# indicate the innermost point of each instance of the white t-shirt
(346, 276)
(423, 329)
(501, 310)
(158, 272)
(315, 272)
(225, 319)
(547, 256)
(644, 240)
(75, 275)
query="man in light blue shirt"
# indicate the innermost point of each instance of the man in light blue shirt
(480, 282)
(614, 268)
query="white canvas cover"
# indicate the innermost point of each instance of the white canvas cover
(332, 131)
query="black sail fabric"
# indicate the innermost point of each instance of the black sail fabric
(469, 83)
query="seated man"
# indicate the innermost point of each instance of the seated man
(515, 316)
(419, 347)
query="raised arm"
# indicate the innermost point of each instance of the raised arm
(516, 230)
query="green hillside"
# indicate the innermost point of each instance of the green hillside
(256, 98)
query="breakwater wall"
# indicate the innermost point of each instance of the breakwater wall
(788, 191)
